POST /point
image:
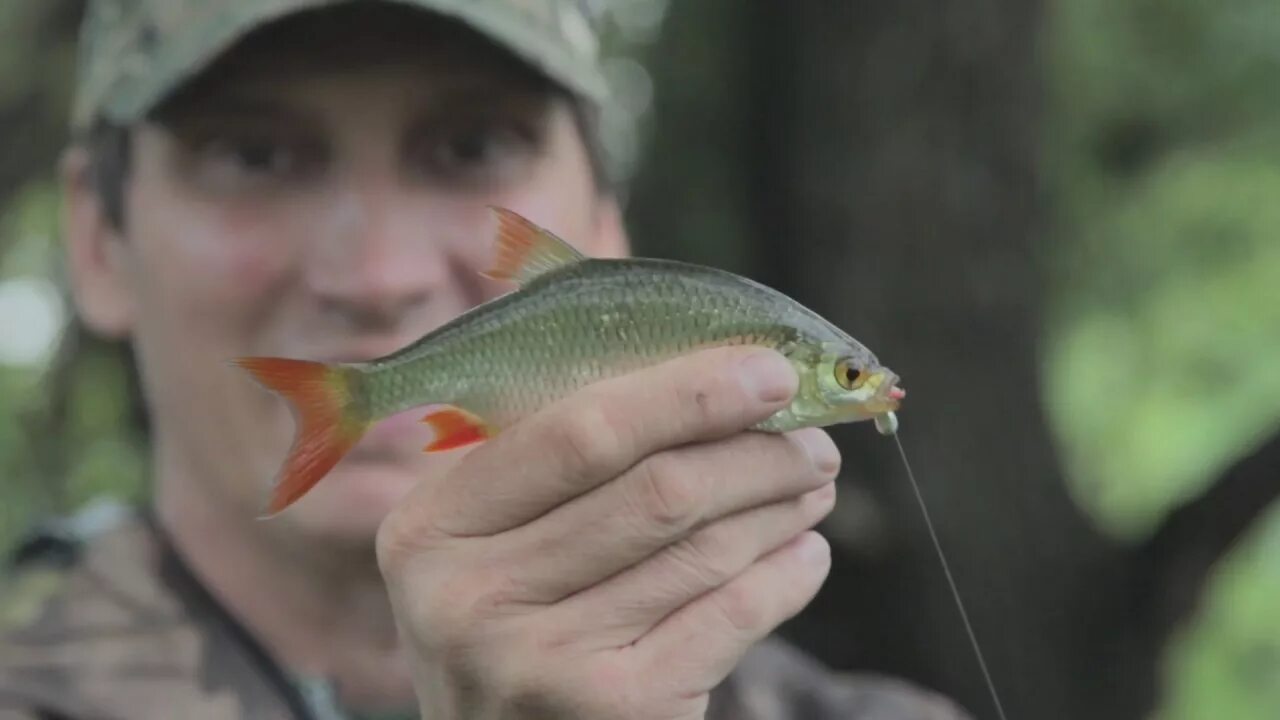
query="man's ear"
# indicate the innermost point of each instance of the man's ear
(96, 255)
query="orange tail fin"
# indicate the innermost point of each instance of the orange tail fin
(329, 422)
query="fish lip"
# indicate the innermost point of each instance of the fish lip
(887, 389)
(893, 397)
(888, 397)
(882, 405)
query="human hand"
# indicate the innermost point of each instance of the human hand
(616, 554)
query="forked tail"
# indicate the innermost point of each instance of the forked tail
(330, 415)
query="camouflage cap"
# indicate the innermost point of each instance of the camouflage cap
(134, 52)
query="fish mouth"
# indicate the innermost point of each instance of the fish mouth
(888, 396)
(883, 396)
(881, 405)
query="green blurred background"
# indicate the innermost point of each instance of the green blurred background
(1159, 155)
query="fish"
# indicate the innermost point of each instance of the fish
(572, 320)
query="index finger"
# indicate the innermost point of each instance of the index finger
(595, 434)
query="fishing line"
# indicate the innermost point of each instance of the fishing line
(890, 427)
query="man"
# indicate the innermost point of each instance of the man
(310, 179)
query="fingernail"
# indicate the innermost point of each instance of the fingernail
(822, 450)
(768, 376)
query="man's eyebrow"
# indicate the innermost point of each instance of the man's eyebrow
(483, 94)
(231, 107)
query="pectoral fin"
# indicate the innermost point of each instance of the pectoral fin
(455, 428)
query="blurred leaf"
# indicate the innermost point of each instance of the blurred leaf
(1164, 163)
(1228, 664)
(1168, 372)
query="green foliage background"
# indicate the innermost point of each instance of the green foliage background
(1162, 158)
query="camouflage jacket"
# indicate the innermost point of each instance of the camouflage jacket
(102, 621)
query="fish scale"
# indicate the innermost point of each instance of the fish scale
(572, 321)
(588, 322)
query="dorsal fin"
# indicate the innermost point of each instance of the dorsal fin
(523, 250)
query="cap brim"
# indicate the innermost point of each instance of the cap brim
(568, 60)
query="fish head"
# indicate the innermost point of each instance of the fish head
(847, 383)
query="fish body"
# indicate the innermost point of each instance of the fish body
(573, 321)
(593, 320)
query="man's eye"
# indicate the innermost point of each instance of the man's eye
(469, 147)
(474, 146)
(259, 156)
(477, 153)
(227, 161)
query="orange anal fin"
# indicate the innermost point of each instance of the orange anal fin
(523, 250)
(455, 428)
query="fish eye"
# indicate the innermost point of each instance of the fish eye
(849, 377)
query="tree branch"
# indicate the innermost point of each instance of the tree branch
(1173, 567)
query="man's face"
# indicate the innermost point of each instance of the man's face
(322, 199)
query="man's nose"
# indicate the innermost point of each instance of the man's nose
(374, 262)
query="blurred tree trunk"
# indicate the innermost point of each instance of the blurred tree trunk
(37, 63)
(878, 162)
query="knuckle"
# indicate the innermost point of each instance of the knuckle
(713, 394)
(590, 438)
(405, 536)
(710, 557)
(796, 463)
(742, 611)
(395, 544)
(701, 402)
(819, 452)
(669, 497)
(785, 453)
(390, 552)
